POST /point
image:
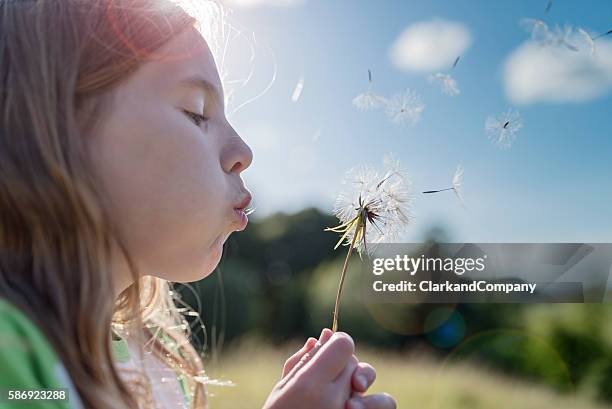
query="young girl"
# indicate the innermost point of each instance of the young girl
(119, 172)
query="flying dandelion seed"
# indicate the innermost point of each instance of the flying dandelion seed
(586, 37)
(456, 61)
(537, 28)
(297, 92)
(368, 100)
(561, 36)
(590, 40)
(603, 34)
(502, 129)
(405, 108)
(373, 208)
(541, 33)
(447, 83)
(457, 181)
(548, 6)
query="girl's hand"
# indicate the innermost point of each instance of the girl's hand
(302, 378)
(363, 376)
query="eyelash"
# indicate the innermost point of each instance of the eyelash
(202, 118)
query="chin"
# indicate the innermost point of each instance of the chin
(202, 263)
(203, 267)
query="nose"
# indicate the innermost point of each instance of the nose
(236, 155)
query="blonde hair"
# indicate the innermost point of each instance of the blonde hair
(59, 61)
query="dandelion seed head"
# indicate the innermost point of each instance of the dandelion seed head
(405, 108)
(502, 129)
(385, 197)
(447, 83)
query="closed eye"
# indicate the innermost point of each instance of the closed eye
(196, 117)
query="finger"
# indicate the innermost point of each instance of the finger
(306, 357)
(325, 335)
(363, 377)
(332, 358)
(294, 359)
(344, 379)
(377, 401)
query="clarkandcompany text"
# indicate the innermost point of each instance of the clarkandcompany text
(474, 286)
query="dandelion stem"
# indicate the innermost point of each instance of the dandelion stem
(343, 274)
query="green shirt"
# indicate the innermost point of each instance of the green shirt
(27, 361)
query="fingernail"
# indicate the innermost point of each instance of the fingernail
(309, 342)
(325, 335)
(362, 381)
(356, 404)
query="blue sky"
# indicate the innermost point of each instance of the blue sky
(553, 185)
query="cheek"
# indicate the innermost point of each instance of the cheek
(167, 191)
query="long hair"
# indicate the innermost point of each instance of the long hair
(59, 62)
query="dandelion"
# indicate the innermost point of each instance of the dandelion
(447, 83)
(405, 108)
(373, 209)
(368, 100)
(502, 129)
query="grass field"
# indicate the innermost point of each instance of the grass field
(415, 382)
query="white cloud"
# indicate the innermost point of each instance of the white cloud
(261, 3)
(430, 45)
(534, 73)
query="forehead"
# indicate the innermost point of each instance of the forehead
(185, 56)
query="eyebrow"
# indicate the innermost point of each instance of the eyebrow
(197, 81)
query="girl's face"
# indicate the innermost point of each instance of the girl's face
(174, 180)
